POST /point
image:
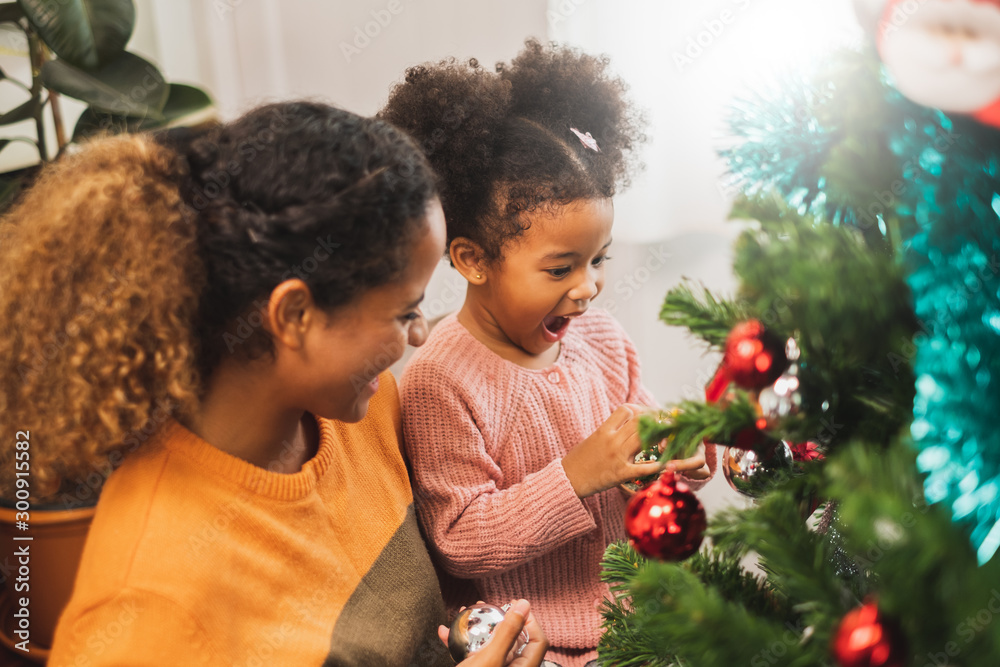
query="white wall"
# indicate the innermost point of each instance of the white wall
(671, 224)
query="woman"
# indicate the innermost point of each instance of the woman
(241, 301)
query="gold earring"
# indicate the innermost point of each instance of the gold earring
(479, 276)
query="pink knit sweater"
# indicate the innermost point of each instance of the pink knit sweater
(486, 437)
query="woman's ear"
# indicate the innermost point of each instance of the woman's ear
(470, 260)
(290, 312)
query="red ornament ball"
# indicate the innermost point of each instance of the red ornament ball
(754, 358)
(665, 520)
(866, 638)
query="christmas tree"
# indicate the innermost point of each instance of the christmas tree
(856, 399)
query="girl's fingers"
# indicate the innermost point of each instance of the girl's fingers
(693, 463)
(693, 468)
(643, 469)
(620, 417)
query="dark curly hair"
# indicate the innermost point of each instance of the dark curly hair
(125, 269)
(501, 141)
(305, 190)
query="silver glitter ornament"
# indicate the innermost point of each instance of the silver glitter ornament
(753, 473)
(473, 629)
(782, 399)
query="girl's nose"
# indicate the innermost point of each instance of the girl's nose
(587, 288)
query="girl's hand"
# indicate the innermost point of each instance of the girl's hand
(517, 618)
(607, 458)
(695, 467)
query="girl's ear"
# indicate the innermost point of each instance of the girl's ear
(290, 312)
(469, 258)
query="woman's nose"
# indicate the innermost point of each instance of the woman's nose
(417, 334)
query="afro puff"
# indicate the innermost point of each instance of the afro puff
(513, 141)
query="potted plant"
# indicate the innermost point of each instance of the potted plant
(76, 49)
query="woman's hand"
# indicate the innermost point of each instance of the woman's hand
(517, 618)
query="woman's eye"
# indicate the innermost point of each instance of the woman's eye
(561, 272)
(600, 260)
(409, 317)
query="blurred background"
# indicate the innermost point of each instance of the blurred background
(684, 61)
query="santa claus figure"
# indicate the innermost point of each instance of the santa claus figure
(943, 54)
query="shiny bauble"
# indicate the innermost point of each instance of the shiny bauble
(665, 520)
(473, 629)
(754, 357)
(781, 399)
(753, 473)
(639, 483)
(866, 638)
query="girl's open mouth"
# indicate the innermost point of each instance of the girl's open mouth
(554, 327)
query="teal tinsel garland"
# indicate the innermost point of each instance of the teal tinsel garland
(952, 176)
(851, 150)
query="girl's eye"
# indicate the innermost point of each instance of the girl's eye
(561, 272)
(410, 317)
(600, 260)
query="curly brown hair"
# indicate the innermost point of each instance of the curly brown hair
(126, 269)
(502, 141)
(98, 294)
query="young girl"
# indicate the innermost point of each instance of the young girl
(520, 412)
(224, 322)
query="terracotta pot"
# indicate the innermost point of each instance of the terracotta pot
(54, 551)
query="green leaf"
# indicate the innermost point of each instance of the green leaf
(19, 113)
(182, 102)
(128, 86)
(10, 184)
(10, 11)
(185, 100)
(87, 33)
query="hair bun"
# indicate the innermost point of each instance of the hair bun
(455, 111)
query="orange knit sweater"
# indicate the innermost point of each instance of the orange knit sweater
(196, 557)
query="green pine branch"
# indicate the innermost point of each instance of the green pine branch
(707, 316)
(695, 422)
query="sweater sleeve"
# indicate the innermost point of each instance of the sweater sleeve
(475, 523)
(136, 629)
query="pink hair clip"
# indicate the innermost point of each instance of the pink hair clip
(585, 139)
